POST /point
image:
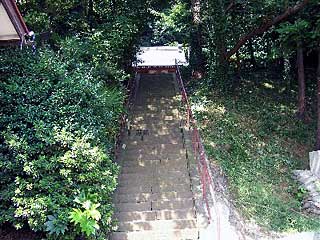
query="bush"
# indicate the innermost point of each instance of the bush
(57, 130)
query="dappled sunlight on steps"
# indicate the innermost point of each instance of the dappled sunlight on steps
(154, 198)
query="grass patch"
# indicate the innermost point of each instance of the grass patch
(255, 137)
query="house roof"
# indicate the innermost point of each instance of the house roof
(13, 28)
(161, 56)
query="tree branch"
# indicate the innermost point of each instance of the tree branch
(266, 26)
(230, 6)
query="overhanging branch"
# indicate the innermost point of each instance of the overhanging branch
(266, 26)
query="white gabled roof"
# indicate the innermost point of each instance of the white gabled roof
(7, 29)
(13, 29)
(161, 56)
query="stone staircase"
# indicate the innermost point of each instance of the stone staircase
(154, 199)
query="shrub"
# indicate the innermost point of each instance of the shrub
(57, 129)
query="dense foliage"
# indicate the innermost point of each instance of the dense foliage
(60, 105)
(57, 133)
(59, 115)
(257, 82)
(256, 139)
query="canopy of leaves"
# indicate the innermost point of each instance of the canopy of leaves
(59, 114)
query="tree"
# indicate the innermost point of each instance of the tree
(227, 23)
(317, 147)
(197, 58)
(265, 25)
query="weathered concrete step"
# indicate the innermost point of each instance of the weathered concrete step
(166, 173)
(152, 160)
(168, 196)
(144, 182)
(154, 136)
(133, 207)
(149, 140)
(173, 204)
(153, 108)
(143, 101)
(166, 111)
(144, 157)
(176, 214)
(155, 126)
(146, 188)
(162, 100)
(152, 154)
(156, 147)
(154, 118)
(159, 225)
(130, 162)
(138, 167)
(127, 162)
(136, 216)
(172, 164)
(133, 197)
(136, 110)
(154, 187)
(186, 234)
(169, 186)
(145, 197)
(156, 91)
(154, 181)
(158, 173)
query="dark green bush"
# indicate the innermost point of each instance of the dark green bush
(57, 128)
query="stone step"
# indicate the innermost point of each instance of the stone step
(136, 168)
(155, 135)
(159, 225)
(145, 197)
(137, 113)
(146, 188)
(152, 165)
(135, 176)
(133, 197)
(149, 140)
(155, 125)
(131, 162)
(173, 159)
(142, 111)
(175, 214)
(154, 118)
(171, 187)
(162, 99)
(136, 216)
(186, 234)
(154, 180)
(173, 204)
(173, 148)
(157, 174)
(133, 207)
(151, 154)
(136, 110)
(168, 196)
(167, 173)
(154, 187)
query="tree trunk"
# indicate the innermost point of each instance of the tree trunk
(90, 14)
(197, 57)
(301, 82)
(318, 103)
